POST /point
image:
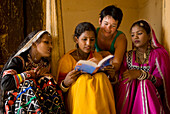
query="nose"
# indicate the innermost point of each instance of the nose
(135, 35)
(108, 27)
(51, 46)
(88, 41)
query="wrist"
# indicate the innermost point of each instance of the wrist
(64, 84)
(143, 75)
(64, 89)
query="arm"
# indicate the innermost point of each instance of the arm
(11, 79)
(159, 72)
(120, 49)
(14, 74)
(66, 75)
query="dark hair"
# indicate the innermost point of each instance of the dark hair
(143, 24)
(113, 11)
(82, 27)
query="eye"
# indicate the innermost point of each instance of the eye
(47, 42)
(84, 39)
(113, 26)
(140, 33)
(132, 35)
(106, 23)
(92, 39)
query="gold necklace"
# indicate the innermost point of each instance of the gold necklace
(142, 58)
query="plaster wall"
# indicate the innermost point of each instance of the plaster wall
(76, 11)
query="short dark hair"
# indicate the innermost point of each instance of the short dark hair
(82, 27)
(113, 11)
(143, 24)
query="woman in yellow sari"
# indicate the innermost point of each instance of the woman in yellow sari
(85, 93)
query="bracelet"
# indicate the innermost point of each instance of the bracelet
(63, 88)
(144, 75)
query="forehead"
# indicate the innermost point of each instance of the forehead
(110, 19)
(87, 34)
(46, 36)
(137, 28)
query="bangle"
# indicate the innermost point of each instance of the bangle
(63, 87)
(143, 75)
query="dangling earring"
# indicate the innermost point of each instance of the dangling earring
(77, 46)
(35, 58)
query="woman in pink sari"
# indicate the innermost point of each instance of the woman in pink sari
(144, 75)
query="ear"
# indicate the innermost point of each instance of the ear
(34, 45)
(100, 21)
(76, 39)
(150, 36)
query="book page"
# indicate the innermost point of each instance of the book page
(90, 63)
(106, 61)
(86, 66)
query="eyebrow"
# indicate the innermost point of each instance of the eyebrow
(137, 31)
(111, 23)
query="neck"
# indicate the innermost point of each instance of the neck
(142, 49)
(35, 58)
(82, 55)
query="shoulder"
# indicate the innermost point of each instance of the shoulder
(16, 63)
(159, 53)
(67, 56)
(17, 60)
(121, 39)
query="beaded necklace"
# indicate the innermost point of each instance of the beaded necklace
(30, 63)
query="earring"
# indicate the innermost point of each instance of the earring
(35, 58)
(77, 46)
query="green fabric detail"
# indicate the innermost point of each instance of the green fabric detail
(112, 49)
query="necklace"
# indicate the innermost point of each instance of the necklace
(141, 57)
(30, 64)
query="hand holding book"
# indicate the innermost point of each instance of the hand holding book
(91, 67)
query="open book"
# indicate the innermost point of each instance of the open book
(91, 67)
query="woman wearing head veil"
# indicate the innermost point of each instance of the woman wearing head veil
(144, 76)
(26, 79)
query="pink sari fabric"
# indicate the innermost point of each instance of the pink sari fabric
(144, 96)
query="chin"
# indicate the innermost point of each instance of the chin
(87, 51)
(47, 55)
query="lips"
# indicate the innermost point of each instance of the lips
(88, 48)
(49, 50)
(107, 32)
(137, 41)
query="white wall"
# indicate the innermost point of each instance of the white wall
(166, 24)
(151, 10)
(76, 11)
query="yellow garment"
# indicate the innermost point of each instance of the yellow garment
(89, 94)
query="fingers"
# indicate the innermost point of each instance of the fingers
(124, 78)
(74, 73)
(125, 75)
(127, 81)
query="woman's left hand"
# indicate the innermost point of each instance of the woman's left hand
(131, 75)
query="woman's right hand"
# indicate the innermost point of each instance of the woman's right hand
(71, 77)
